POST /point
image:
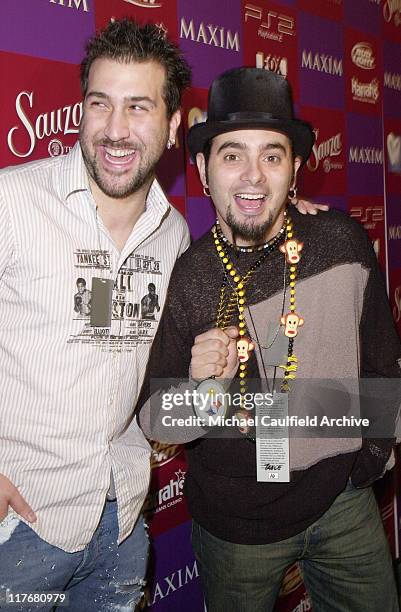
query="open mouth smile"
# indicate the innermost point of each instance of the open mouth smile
(250, 203)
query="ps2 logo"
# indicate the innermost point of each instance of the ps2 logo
(369, 215)
(276, 24)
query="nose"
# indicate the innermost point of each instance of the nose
(253, 172)
(117, 127)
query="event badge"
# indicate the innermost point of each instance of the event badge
(272, 443)
(102, 292)
(209, 403)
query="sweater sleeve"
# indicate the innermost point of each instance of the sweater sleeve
(380, 388)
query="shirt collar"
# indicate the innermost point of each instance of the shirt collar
(73, 174)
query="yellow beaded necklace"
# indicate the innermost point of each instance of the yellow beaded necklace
(237, 300)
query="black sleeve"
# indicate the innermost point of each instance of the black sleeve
(380, 378)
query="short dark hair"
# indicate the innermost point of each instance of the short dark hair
(126, 41)
(81, 281)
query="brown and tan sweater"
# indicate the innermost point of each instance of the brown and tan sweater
(348, 336)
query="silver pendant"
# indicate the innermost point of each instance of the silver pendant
(210, 402)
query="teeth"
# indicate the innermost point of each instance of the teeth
(251, 196)
(119, 152)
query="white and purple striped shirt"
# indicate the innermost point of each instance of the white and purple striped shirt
(68, 390)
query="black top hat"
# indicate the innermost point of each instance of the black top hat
(248, 98)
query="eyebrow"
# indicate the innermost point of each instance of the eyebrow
(131, 99)
(235, 144)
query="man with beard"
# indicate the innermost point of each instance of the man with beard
(75, 466)
(282, 317)
(69, 384)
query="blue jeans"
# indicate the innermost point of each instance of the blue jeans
(101, 577)
(344, 559)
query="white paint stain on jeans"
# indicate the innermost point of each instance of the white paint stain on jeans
(7, 527)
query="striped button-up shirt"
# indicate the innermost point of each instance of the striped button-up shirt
(68, 389)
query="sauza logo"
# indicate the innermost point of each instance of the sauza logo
(394, 152)
(145, 3)
(64, 120)
(365, 92)
(274, 63)
(392, 9)
(72, 4)
(362, 56)
(324, 151)
(275, 26)
(397, 305)
(210, 35)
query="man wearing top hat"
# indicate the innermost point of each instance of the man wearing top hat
(288, 302)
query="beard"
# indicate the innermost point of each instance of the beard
(251, 232)
(123, 185)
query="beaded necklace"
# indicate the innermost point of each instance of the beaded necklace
(235, 300)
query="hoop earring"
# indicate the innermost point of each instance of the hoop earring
(292, 194)
(206, 191)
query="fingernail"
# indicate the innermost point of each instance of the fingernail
(31, 516)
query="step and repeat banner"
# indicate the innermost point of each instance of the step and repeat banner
(343, 60)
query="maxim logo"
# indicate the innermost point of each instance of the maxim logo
(365, 155)
(64, 120)
(275, 26)
(322, 63)
(362, 56)
(392, 9)
(392, 80)
(145, 3)
(274, 63)
(174, 582)
(323, 152)
(72, 4)
(365, 92)
(210, 35)
(394, 232)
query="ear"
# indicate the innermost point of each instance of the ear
(200, 162)
(300, 246)
(251, 346)
(174, 124)
(297, 164)
(282, 248)
(300, 322)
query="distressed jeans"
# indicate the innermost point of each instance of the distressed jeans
(344, 559)
(101, 577)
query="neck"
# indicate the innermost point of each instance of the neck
(120, 215)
